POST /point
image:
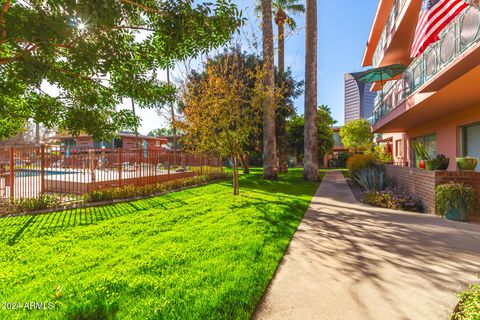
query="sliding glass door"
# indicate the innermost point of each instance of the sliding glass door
(471, 141)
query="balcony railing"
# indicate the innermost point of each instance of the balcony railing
(388, 31)
(462, 33)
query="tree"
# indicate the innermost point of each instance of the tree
(310, 163)
(295, 133)
(270, 170)
(280, 9)
(96, 54)
(161, 132)
(285, 93)
(325, 131)
(227, 114)
(357, 135)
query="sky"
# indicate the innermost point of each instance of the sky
(343, 29)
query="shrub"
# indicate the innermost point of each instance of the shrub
(361, 161)
(382, 155)
(449, 196)
(373, 179)
(127, 192)
(392, 199)
(469, 305)
(17, 206)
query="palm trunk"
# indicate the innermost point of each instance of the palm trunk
(310, 164)
(282, 151)
(270, 170)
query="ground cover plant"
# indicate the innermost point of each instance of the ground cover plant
(200, 253)
(469, 306)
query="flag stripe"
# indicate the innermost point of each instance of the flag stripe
(437, 11)
(434, 17)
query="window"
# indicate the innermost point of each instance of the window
(471, 141)
(157, 144)
(398, 148)
(430, 144)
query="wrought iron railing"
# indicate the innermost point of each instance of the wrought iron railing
(462, 33)
(388, 31)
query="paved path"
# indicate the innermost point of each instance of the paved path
(350, 261)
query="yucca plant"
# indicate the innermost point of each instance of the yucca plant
(373, 179)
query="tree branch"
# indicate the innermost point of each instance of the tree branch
(5, 8)
(133, 3)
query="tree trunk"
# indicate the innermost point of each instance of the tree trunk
(310, 164)
(236, 189)
(173, 124)
(244, 160)
(37, 133)
(270, 170)
(282, 150)
(281, 41)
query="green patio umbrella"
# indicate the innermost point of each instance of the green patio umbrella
(381, 74)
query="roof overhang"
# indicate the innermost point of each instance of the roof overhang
(383, 10)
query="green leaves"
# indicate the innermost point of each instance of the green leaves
(96, 53)
(357, 135)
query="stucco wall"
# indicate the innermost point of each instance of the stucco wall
(448, 133)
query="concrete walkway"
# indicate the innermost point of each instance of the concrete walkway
(351, 261)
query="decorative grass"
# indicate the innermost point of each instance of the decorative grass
(200, 253)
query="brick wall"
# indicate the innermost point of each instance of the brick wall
(421, 183)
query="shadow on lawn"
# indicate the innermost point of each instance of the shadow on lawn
(13, 229)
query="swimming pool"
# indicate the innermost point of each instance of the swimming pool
(34, 173)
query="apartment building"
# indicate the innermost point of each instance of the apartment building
(436, 101)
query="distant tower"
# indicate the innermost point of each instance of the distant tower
(359, 100)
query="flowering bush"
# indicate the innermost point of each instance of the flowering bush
(392, 199)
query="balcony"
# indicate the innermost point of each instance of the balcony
(388, 31)
(460, 35)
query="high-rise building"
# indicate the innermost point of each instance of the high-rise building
(359, 100)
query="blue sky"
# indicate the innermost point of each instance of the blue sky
(343, 29)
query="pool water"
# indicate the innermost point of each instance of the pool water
(34, 173)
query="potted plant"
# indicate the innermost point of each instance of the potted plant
(455, 201)
(422, 156)
(442, 162)
(467, 163)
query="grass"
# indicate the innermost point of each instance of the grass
(195, 254)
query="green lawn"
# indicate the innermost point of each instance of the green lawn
(196, 254)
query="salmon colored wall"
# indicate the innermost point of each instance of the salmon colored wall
(447, 131)
(84, 142)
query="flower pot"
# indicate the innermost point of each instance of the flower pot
(458, 214)
(443, 165)
(430, 165)
(421, 164)
(467, 164)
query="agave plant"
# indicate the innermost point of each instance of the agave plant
(373, 179)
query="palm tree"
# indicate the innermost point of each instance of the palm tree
(281, 10)
(270, 170)
(310, 164)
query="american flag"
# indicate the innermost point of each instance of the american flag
(434, 16)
